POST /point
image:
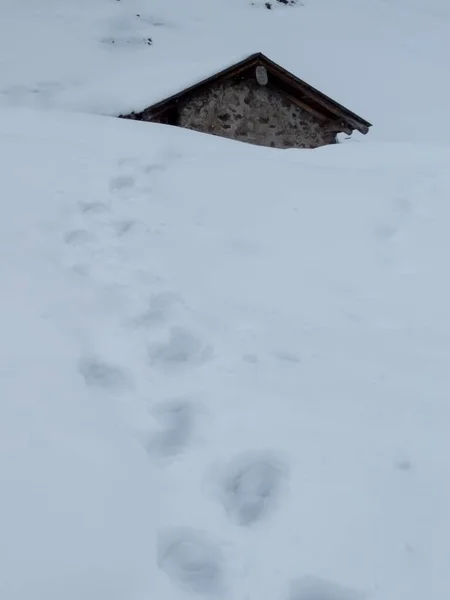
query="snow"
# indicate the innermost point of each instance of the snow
(385, 61)
(74, 487)
(224, 368)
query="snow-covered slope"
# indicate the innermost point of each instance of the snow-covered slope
(224, 369)
(384, 59)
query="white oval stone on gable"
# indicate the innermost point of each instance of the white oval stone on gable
(261, 75)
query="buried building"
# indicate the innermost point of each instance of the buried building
(258, 102)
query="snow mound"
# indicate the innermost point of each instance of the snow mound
(224, 368)
(384, 59)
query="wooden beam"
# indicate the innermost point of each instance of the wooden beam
(338, 127)
(358, 126)
(303, 105)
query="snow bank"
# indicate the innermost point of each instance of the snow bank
(386, 61)
(77, 504)
(224, 368)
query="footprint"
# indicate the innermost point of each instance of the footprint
(182, 348)
(287, 357)
(124, 182)
(315, 588)
(80, 269)
(93, 207)
(159, 309)
(176, 418)
(156, 168)
(79, 237)
(99, 374)
(251, 487)
(401, 210)
(123, 227)
(386, 232)
(403, 206)
(191, 561)
(250, 358)
(403, 464)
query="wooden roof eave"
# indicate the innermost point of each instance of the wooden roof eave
(160, 107)
(313, 95)
(305, 95)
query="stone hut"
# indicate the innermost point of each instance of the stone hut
(258, 102)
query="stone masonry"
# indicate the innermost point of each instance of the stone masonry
(243, 110)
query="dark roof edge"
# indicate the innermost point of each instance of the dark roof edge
(351, 119)
(246, 62)
(354, 120)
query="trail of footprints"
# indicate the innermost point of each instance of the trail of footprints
(248, 488)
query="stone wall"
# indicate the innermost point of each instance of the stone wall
(245, 111)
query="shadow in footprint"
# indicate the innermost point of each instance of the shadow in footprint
(182, 348)
(79, 237)
(251, 487)
(403, 464)
(288, 357)
(191, 561)
(93, 208)
(124, 227)
(315, 588)
(159, 309)
(176, 418)
(99, 374)
(121, 183)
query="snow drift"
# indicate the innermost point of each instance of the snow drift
(224, 368)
